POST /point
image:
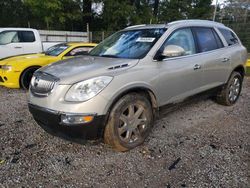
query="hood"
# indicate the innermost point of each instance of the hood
(81, 68)
(21, 58)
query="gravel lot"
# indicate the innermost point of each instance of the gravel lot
(201, 144)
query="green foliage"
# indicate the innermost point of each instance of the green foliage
(200, 9)
(116, 14)
(13, 13)
(100, 14)
(171, 10)
(53, 14)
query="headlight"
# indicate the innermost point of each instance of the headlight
(7, 67)
(85, 90)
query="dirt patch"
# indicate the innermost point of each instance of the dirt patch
(201, 144)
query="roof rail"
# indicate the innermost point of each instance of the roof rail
(195, 21)
(130, 27)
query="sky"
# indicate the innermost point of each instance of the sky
(219, 1)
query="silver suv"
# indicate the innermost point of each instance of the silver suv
(116, 91)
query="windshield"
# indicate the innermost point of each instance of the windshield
(131, 44)
(56, 50)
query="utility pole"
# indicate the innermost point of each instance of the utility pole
(215, 10)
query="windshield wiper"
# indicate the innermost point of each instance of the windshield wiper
(112, 56)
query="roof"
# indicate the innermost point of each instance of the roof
(196, 22)
(174, 23)
(146, 26)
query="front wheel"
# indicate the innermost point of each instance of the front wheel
(129, 122)
(231, 91)
(26, 77)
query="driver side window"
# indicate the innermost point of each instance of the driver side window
(182, 38)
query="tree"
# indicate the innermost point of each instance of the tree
(44, 11)
(200, 9)
(156, 8)
(235, 10)
(13, 13)
(171, 10)
(117, 14)
(99, 14)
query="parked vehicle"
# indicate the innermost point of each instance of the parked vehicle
(16, 72)
(116, 91)
(248, 67)
(17, 41)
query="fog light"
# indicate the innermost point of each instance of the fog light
(72, 119)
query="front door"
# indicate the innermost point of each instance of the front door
(180, 76)
(9, 44)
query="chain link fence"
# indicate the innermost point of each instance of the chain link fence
(243, 32)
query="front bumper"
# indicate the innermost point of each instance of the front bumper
(50, 121)
(9, 79)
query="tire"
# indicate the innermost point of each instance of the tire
(26, 77)
(129, 123)
(230, 93)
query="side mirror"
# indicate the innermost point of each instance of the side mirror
(173, 51)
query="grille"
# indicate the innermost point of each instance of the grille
(42, 84)
(1, 79)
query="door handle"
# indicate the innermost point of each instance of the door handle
(225, 60)
(196, 67)
(17, 47)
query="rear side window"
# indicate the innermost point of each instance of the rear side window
(229, 36)
(26, 36)
(206, 39)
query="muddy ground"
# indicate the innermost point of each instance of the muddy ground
(201, 144)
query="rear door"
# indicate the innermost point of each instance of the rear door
(216, 58)
(29, 42)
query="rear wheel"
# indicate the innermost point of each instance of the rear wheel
(26, 77)
(231, 91)
(129, 122)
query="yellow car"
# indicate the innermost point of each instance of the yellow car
(248, 67)
(16, 72)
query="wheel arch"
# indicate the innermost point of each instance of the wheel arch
(33, 66)
(139, 89)
(240, 69)
(147, 92)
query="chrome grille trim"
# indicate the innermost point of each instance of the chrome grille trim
(42, 84)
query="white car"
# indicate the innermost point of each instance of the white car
(17, 41)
